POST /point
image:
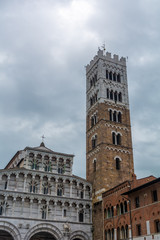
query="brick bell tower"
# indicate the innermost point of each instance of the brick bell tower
(109, 156)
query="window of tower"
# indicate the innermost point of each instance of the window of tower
(115, 96)
(118, 139)
(94, 165)
(119, 117)
(59, 192)
(90, 101)
(110, 115)
(111, 94)
(117, 163)
(107, 74)
(120, 97)
(114, 77)
(114, 116)
(92, 121)
(113, 138)
(1, 210)
(110, 75)
(94, 141)
(118, 78)
(81, 216)
(107, 93)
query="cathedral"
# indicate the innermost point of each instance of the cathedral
(41, 199)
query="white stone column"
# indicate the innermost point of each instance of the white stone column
(24, 183)
(56, 183)
(22, 206)
(8, 181)
(49, 186)
(130, 231)
(47, 210)
(13, 206)
(30, 208)
(70, 189)
(84, 214)
(148, 227)
(115, 234)
(40, 185)
(84, 193)
(16, 183)
(55, 211)
(39, 209)
(77, 213)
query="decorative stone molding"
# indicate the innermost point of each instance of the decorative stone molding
(11, 229)
(79, 234)
(44, 227)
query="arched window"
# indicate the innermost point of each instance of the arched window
(5, 185)
(122, 232)
(117, 163)
(91, 102)
(113, 138)
(44, 214)
(119, 117)
(59, 192)
(118, 233)
(118, 139)
(118, 78)
(105, 235)
(60, 169)
(126, 230)
(95, 119)
(110, 115)
(114, 77)
(64, 213)
(81, 216)
(105, 213)
(107, 74)
(81, 194)
(94, 165)
(109, 234)
(115, 96)
(111, 94)
(110, 75)
(94, 141)
(112, 233)
(107, 93)
(120, 97)
(1, 210)
(125, 206)
(92, 121)
(118, 210)
(112, 211)
(115, 116)
(109, 213)
(121, 205)
(45, 190)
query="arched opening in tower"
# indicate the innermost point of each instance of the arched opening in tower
(5, 235)
(43, 236)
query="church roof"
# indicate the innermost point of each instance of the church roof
(43, 148)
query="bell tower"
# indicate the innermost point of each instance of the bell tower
(109, 156)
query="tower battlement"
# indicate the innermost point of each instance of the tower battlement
(108, 56)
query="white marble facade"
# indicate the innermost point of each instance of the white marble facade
(40, 198)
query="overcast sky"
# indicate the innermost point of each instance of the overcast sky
(44, 46)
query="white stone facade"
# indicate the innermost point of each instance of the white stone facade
(39, 194)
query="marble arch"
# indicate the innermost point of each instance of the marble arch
(44, 227)
(79, 235)
(11, 229)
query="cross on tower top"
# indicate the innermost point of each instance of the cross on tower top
(43, 137)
